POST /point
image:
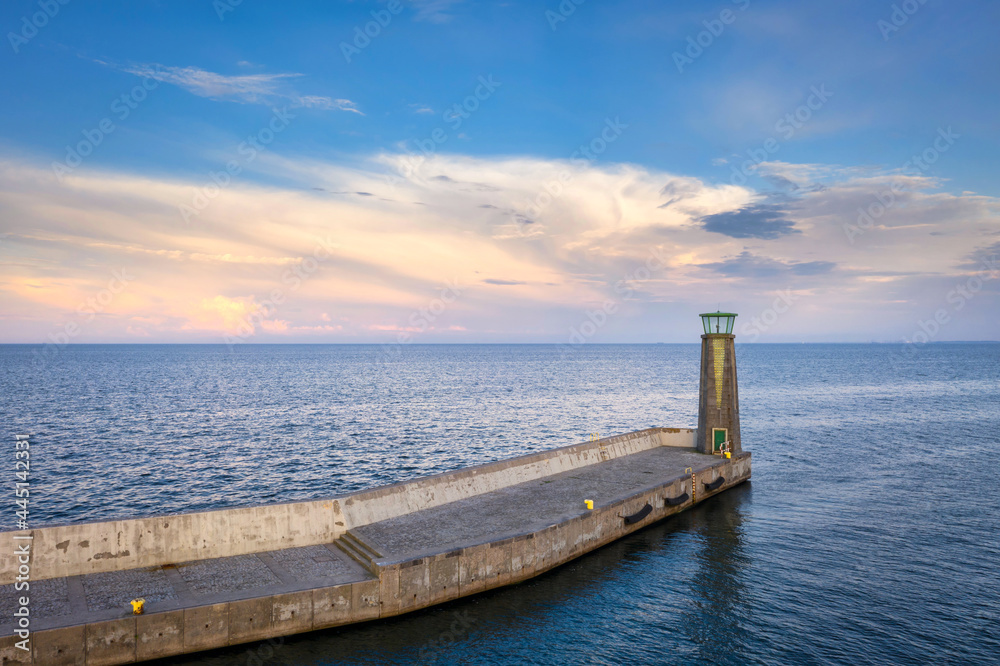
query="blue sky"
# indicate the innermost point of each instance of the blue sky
(873, 85)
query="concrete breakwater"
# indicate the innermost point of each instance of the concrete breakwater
(227, 577)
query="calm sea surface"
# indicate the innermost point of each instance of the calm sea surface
(870, 533)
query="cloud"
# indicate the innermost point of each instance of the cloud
(503, 282)
(421, 108)
(749, 265)
(324, 103)
(179, 255)
(780, 182)
(811, 267)
(253, 252)
(360, 194)
(764, 221)
(806, 176)
(982, 257)
(241, 88)
(679, 189)
(224, 315)
(434, 11)
(467, 186)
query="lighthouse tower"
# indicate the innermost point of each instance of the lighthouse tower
(718, 401)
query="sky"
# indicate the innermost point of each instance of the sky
(435, 171)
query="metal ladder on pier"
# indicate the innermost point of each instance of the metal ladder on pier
(596, 437)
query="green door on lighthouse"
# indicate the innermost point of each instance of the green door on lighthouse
(718, 438)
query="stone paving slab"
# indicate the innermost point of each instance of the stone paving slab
(226, 574)
(312, 562)
(49, 598)
(115, 589)
(59, 602)
(527, 507)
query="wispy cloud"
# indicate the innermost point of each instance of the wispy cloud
(326, 103)
(239, 88)
(503, 283)
(434, 11)
(750, 265)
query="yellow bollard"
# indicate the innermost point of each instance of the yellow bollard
(589, 503)
(728, 454)
(137, 606)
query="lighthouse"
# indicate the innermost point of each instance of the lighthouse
(718, 397)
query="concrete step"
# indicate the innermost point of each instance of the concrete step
(362, 546)
(359, 552)
(349, 550)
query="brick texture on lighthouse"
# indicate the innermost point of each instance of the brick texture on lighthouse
(718, 400)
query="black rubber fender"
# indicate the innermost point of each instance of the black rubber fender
(638, 515)
(676, 501)
(715, 485)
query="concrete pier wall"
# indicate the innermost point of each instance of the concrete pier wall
(70, 550)
(399, 587)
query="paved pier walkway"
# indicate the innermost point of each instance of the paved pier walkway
(527, 507)
(489, 517)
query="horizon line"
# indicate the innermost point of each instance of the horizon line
(539, 344)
